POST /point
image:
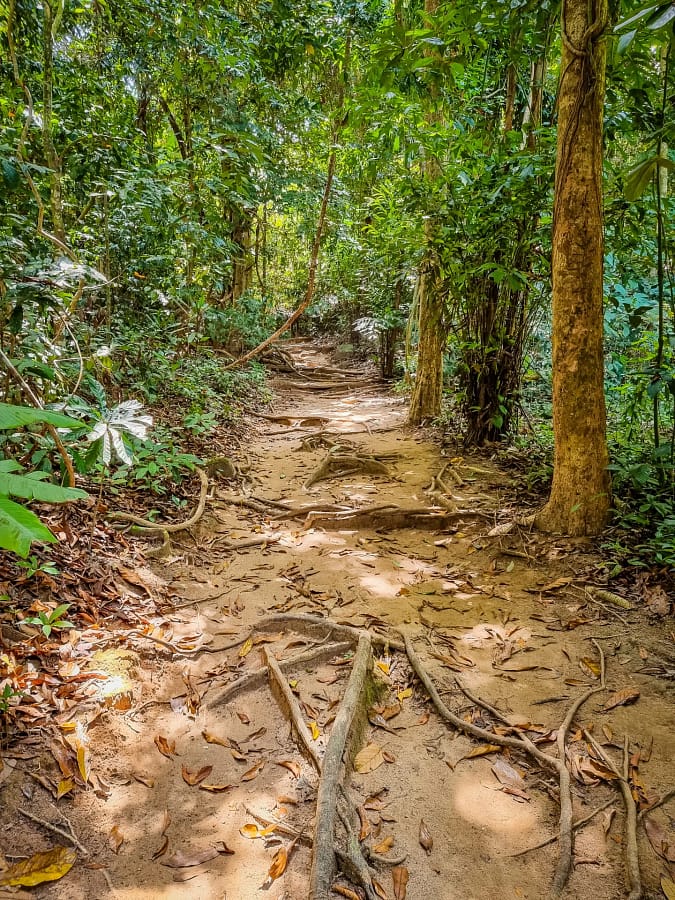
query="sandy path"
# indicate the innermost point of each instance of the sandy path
(481, 610)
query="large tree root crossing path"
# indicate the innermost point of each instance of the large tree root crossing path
(349, 677)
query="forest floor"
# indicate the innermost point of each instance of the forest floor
(181, 768)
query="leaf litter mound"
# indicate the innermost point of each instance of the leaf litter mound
(397, 689)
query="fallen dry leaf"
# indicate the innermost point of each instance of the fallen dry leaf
(365, 824)
(243, 718)
(115, 838)
(195, 776)
(668, 887)
(189, 874)
(385, 845)
(379, 889)
(279, 863)
(400, 876)
(254, 771)
(484, 750)
(214, 739)
(65, 786)
(143, 779)
(166, 748)
(622, 698)
(368, 759)
(292, 766)
(314, 728)
(48, 866)
(425, 838)
(185, 858)
(215, 788)
(346, 892)
(252, 831)
(246, 648)
(161, 850)
(590, 666)
(661, 842)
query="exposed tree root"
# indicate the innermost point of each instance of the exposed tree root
(336, 464)
(258, 677)
(280, 827)
(631, 843)
(169, 527)
(307, 624)
(525, 745)
(352, 706)
(575, 826)
(390, 517)
(283, 692)
(318, 385)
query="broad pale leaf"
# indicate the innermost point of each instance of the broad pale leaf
(48, 866)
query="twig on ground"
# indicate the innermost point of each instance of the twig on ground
(68, 835)
(655, 805)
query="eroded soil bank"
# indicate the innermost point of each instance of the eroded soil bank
(180, 770)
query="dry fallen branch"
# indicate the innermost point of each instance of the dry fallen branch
(291, 707)
(351, 707)
(68, 835)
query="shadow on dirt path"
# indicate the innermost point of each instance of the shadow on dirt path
(510, 613)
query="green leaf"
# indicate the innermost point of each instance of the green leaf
(19, 527)
(625, 41)
(639, 177)
(645, 11)
(16, 416)
(31, 487)
(662, 17)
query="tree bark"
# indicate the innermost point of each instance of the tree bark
(50, 23)
(427, 393)
(580, 492)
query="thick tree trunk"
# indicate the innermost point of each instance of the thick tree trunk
(425, 403)
(427, 393)
(579, 499)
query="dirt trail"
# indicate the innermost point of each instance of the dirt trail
(508, 614)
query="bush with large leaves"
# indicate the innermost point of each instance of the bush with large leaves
(19, 527)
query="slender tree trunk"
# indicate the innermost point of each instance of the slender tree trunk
(51, 156)
(427, 393)
(580, 492)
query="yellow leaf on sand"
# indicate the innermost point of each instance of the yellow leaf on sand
(668, 887)
(316, 734)
(368, 759)
(49, 866)
(252, 831)
(278, 866)
(385, 845)
(65, 786)
(83, 762)
(246, 648)
(404, 694)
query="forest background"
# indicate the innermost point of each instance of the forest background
(178, 178)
